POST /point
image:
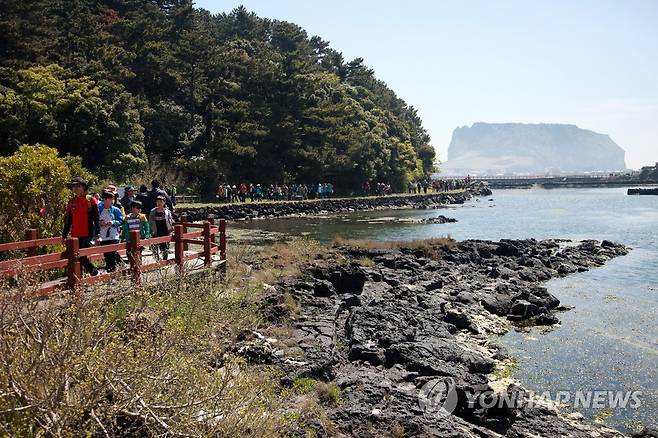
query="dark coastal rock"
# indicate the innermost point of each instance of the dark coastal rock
(566, 268)
(523, 309)
(385, 332)
(545, 319)
(501, 272)
(438, 220)
(458, 319)
(647, 432)
(255, 348)
(324, 288)
(507, 248)
(499, 304)
(348, 280)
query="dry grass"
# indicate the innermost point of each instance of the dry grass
(305, 417)
(366, 261)
(151, 361)
(428, 246)
(397, 431)
(285, 259)
(329, 394)
(156, 360)
(307, 409)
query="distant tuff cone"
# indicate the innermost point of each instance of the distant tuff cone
(517, 148)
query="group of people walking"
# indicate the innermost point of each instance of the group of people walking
(437, 185)
(445, 185)
(104, 219)
(416, 187)
(419, 186)
(274, 192)
(379, 189)
(227, 193)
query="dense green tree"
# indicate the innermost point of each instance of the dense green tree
(45, 104)
(28, 32)
(230, 95)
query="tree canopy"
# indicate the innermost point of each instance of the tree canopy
(230, 95)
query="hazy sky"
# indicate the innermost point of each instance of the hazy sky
(590, 63)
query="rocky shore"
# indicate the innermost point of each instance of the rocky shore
(385, 325)
(255, 210)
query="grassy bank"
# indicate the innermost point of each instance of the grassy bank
(160, 360)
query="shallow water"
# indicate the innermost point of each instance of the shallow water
(609, 341)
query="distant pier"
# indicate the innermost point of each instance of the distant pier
(528, 181)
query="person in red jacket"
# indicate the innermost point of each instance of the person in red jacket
(81, 219)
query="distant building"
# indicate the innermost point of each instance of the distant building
(649, 173)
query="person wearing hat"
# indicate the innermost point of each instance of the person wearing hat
(113, 189)
(258, 192)
(161, 222)
(81, 219)
(111, 218)
(136, 221)
(128, 198)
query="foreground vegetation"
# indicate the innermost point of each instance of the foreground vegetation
(165, 89)
(161, 360)
(33, 191)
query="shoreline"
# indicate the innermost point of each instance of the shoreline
(557, 183)
(315, 207)
(381, 323)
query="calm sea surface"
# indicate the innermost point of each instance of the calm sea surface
(609, 341)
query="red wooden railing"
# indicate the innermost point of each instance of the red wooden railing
(206, 235)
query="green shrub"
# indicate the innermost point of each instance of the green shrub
(329, 394)
(33, 191)
(304, 385)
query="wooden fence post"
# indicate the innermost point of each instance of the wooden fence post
(31, 235)
(135, 257)
(74, 268)
(207, 244)
(179, 252)
(211, 219)
(222, 239)
(184, 219)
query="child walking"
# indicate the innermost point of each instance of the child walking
(161, 222)
(136, 221)
(110, 223)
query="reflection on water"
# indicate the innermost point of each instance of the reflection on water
(609, 341)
